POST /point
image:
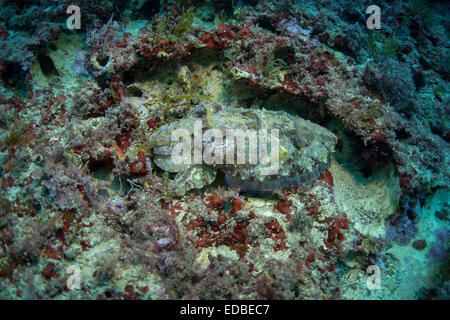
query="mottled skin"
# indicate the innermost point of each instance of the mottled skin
(304, 150)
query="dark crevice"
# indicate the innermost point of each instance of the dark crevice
(128, 78)
(419, 80)
(13, 74)
(101, 169)
(402, 134)
(47, 66)
(133, 91)
(284, 53)
(297, 106)
(103, 61)
(150, 8)
(352, 153)
(266, 23)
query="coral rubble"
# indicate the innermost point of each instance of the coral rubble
(88, 178)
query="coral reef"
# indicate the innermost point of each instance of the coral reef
(88, 179)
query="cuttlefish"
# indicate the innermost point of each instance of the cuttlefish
(258, 150)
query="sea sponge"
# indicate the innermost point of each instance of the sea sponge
(439, 251)
(401, 230)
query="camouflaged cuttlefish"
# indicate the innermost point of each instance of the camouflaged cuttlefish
(304, 150)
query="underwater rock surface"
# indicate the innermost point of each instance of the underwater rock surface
(88, 181)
